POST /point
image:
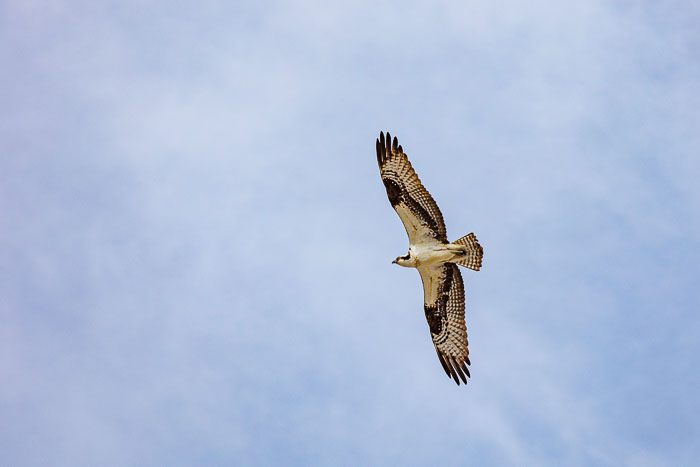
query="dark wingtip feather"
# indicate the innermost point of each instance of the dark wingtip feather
(452, 371)
(466, 369)
(458, 370)
(442, 362)
(395, 146)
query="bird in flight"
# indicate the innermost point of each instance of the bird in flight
(435, 258)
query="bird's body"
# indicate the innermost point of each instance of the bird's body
(425, 255)
(435, 258)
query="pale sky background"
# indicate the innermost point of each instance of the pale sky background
(196, 246)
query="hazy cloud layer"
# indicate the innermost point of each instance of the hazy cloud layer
(195, 259)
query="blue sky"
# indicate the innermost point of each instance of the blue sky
(195, 259)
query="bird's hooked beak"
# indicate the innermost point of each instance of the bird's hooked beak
(394, 262)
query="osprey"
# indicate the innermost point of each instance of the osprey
(435, 258)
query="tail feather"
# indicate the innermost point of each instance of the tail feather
(473, 254)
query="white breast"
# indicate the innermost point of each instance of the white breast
(432, 253)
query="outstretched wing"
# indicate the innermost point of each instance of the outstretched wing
(443, 290)
(417, 209)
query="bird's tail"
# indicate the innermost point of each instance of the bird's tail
(472, 252)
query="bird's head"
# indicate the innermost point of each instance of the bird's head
(403, 260)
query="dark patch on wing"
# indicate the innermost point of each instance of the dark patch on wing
(423, 215)
(447, 274)
(444, 289)
(436, 314)
(434, 319)
(393, 191)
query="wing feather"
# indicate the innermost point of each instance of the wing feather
(444, 310)
(417, 209)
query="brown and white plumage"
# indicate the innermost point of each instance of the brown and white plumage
(416, 208)
(435, 258)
